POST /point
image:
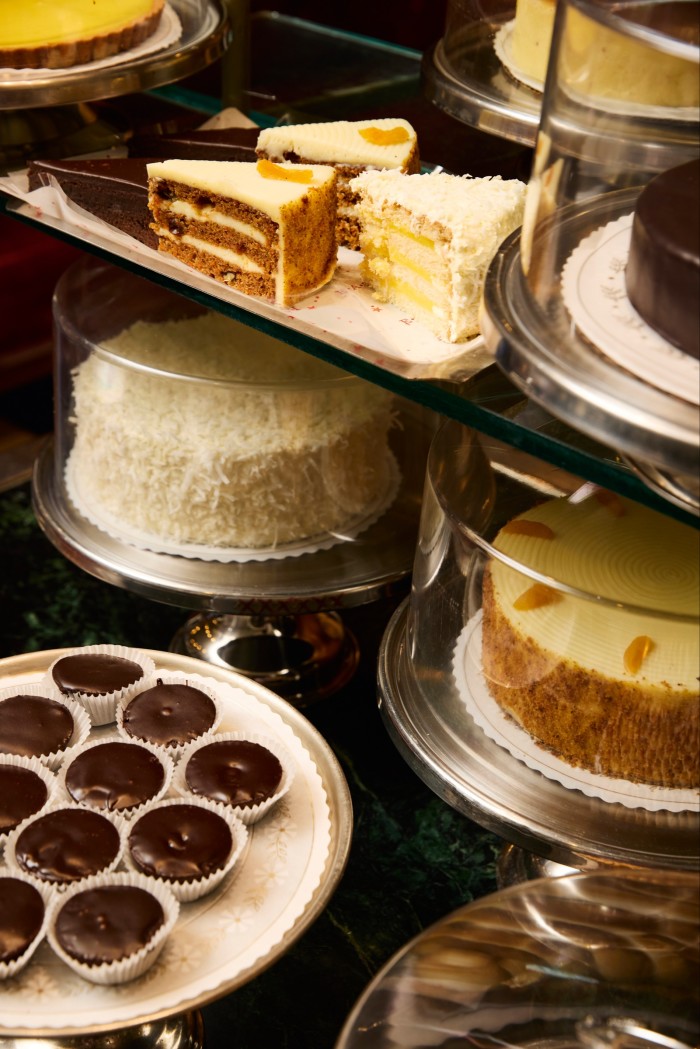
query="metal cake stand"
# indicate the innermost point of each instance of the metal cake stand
(276, 621)
(559, 368)
(467, 79)
(561, 828)
(205, 36)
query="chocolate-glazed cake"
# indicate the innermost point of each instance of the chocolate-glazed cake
(22, 793)
(169, 714)
(114, 776)
(113, 189)
(94, 673)
(21, 917)
(107, 923)
(663, 269)
(180, 842)
(33, 726)
(234, 771)
(235, 143)
(66, 845)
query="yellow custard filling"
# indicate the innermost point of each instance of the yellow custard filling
(37, 22)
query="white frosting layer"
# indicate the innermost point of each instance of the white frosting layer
(241, 181)
(339, 142)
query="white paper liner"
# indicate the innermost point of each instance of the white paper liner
(188, 891)
(60, 887)
(43, 772)
(102, 709)
(173, 677)
(594, 293)
(111, 973)
(248, 814)
(503, 46)
(344, 308)
(168, 32)
(124, 532)
(9, 969)
(81, 718)
(503, 730)
(158, 752)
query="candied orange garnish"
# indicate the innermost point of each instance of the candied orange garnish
(379, 137)
(536, 596)
(269, 170)
(610, 501)
(521, 526)
(636, 652)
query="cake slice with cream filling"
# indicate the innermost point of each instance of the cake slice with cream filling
(428, 240)
(351, 147)
(264, 229)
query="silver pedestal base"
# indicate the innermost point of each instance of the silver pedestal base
(302, 658)
(185, 1031)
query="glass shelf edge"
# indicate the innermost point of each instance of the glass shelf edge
(431, 394)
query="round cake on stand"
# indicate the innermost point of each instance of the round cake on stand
(205, 464)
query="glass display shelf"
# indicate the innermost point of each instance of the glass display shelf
(485, 400)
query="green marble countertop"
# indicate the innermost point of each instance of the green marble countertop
(413, 859)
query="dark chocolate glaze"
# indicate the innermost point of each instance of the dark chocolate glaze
(209, 144)
(237, 772)
(108, 923)
(22, 793)
(114, 776)
(95, 674)
(180, 842)
(66, 845)
(114, 189)
(663, 268)
(21, 915)
(34, 725)
(169, 714)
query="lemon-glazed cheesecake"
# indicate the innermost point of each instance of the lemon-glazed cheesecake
(46, 34)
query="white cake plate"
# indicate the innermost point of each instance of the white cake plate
(224, 940)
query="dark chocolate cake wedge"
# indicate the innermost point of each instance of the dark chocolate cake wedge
(114, 189)
(236, 143)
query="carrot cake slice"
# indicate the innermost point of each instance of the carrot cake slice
(351, 147)
(264, 229)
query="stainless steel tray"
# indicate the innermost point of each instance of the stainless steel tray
(205, 36)
(453, 756)
(46, 999)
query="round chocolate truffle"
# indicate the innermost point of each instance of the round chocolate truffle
(21, 916)
(67, 844)
(107, 923)
(95, 673)
(34, 725)
(114, 775)
(22, 793)
(180, 842)
(169, 715)
(234, 771)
